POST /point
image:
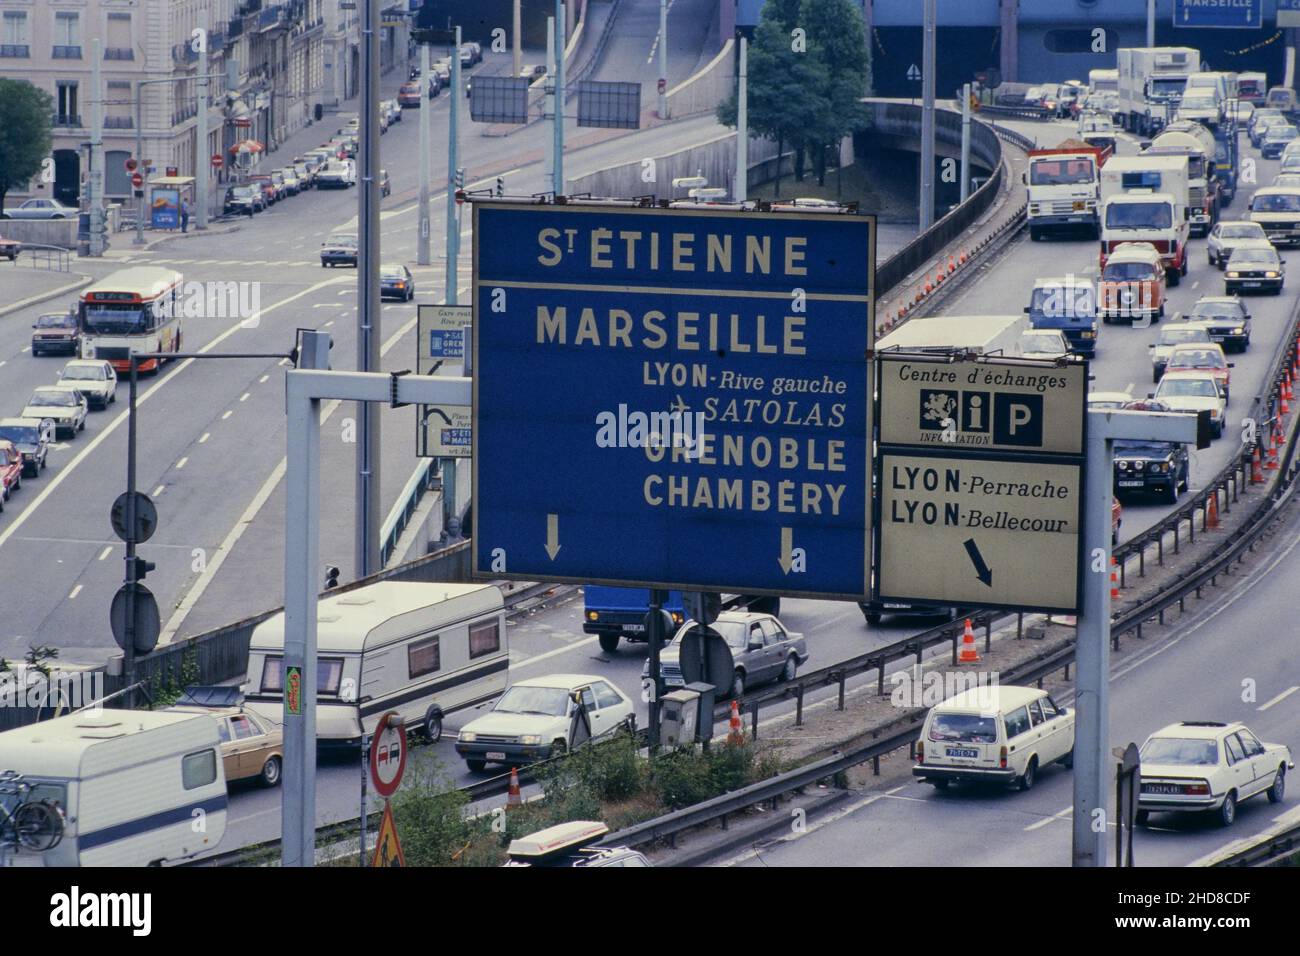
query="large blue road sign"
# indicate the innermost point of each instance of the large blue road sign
(1241, 14)
(672, 398)
(1288, 13)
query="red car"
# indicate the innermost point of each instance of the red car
(11, 471)
(409, 94)
(10, 249)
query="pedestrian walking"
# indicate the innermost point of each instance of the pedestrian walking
(185, 215)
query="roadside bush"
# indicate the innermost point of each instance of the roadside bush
(682, 778)
(610, 770)
(430, 813)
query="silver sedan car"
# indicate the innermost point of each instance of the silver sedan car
(40, 209)
(762, 650)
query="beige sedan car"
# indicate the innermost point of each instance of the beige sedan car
(250, 747)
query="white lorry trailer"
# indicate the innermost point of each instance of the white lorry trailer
(975, 334)
(1064, 188)
(1151, 84)
(135, 787)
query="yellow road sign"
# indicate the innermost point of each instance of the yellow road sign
(388, 850)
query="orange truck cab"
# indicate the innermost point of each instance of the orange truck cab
(1132, 284)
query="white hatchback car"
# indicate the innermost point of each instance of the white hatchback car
(93, 378)
(544, 717)
(1194, 392)
(998, 734)
(1204, 765)
(63, 404)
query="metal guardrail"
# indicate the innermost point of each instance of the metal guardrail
(421, 480)
(52, 258)
(1274, 849)
(1020, 112)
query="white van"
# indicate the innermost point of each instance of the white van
(1002, 734)
(422, 649)
(136, 787)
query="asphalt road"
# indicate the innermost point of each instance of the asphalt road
(1243, 641)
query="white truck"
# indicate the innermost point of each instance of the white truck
(1145, 199)
(1151, 83)
(1103, 81)
(976, 334)
(1064, 188)
(135, 787)
(1195, 142)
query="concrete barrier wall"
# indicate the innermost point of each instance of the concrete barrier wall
(702, 92)
(41, 232)
(714, 158)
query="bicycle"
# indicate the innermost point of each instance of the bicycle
(32, 824)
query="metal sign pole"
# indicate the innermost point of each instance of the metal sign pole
(548, 168)
(202, 154)
(558, 182)
(663, 59)
(365, 761)
(927, 117)
(740, 190)
(95, 179)
(128, 652)
(655, 635)
(453, 160)
(425, 238)
(965, 141)
(517, 38)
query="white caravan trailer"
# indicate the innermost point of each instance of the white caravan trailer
(422, 649)
(137, 787)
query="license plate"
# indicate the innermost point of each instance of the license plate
(1130, 484)
(1170, 788)
(1250, 285)
(956, 752)
(495, 755)
(634, 628)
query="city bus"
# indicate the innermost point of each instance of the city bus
(133, 310)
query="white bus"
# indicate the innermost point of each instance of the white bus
(133, 310)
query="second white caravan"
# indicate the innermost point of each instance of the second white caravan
(424, 650)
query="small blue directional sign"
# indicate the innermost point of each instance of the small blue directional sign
(673, 397)
(1238, 14)
(447, 343)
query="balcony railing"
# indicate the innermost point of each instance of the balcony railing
(119, 122)
(15, 50)
(184, 113)
(119, 53)
(184, 53)
(66, 119)
(235, 28)
(67, 53)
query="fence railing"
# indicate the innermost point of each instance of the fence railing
(422, 479)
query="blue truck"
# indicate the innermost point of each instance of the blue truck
(613, 613)
(1068, 303)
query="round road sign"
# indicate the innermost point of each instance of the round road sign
(147, 622)
(388, 754)
(137, 180)
(146, 517)
(131, 164)
(217, 161)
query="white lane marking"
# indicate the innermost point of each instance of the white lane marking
(1196, 283)
(1279, 698)
(1128, 389)
(4, 361)
(204, 437)
(157, 491)
(191, 597)
(106, 552)
(181, 464)
(328, 324)
(262, 380)
(244, 397)
(26, 348)
(226, 414)
(1068, 811)
(75, 592)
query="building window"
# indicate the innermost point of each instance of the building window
(67, 35)
(67, 104)
(1077, 40)
(13, 41)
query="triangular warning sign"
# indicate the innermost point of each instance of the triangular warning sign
(388, 851)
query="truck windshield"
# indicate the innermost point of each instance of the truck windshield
(1060, 172)
(1277, 202)
(1063, 301)
(1139, 215)
(1128, 271)
(1168, 87)
(1199, 103)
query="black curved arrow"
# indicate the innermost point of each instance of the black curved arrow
(981, 569)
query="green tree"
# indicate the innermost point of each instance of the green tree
(837, 41)
(783, 80)
(25, 139)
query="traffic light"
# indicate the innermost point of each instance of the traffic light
(331, 577)
(460, 177)
(139, 568)
(501, 186)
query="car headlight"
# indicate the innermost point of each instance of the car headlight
(1159, 467)
(1234, 275)
(1090, 335)
(1238, 331)
(1270, 275)
(1122, 465)
(467, 736)
(593, 615)
(530, 740)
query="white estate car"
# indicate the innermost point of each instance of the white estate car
(93, 378)
(61, 403)
(539, 718)
(997, 733)
(1193, 392)
(1205, 765)
(1180, 333)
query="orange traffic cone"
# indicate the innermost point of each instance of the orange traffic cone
(1271, 463)
(1256, 469)
(513, 797)
(735, 735)
(968, 652)
(1114, 579)
(952, 264)
(1212, 513)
